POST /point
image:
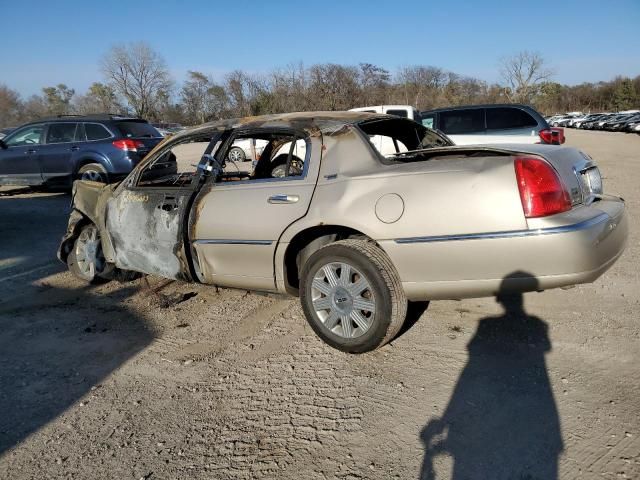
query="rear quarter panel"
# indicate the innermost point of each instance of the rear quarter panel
(440, 197)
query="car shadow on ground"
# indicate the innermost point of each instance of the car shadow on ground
(55, 350)
(501, 421)
(32, 223)
(414, 312)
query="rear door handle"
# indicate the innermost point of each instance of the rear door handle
(31, 151)
(283, 198)
(75, 148)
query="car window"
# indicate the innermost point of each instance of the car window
(176, 165)
(132, 129)
(95, 131)
(61, 132)
(427, 120)
(506, 118)
(274, 155)
(398, 113)
(246, 149)
(31, 135)
(391, 136)
(458, 122)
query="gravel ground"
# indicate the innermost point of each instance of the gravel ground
(154, 379)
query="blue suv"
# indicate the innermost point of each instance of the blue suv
(59, 150)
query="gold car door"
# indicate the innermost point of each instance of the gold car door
(239, 223)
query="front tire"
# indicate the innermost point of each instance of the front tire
(86, 260)
(93, 172)
(352, 296)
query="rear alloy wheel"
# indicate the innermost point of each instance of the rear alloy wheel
(93, 172)
(86, 260)
(352, 296)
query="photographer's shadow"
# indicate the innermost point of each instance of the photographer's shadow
(501, 421)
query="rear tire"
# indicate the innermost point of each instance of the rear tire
(352, 296)
(93, 172)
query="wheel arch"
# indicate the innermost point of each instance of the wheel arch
(305, 243)
(89, 158)
(77, 220)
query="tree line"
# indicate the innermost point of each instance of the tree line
(136, 81)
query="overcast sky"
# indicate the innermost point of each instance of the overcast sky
(46, 43)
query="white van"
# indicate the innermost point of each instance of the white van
(404, 111)
(383, 144)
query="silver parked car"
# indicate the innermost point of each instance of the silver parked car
(355, 233)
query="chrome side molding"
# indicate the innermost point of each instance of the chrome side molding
(603, 217)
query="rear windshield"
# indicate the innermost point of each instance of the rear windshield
(131, 129)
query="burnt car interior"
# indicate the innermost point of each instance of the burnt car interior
(281, 156)
(177, 166)
(182, 164)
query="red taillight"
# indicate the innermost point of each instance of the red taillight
(541, 190)
(128, 145)
(554, 136)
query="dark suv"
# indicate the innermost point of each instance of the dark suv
(56, 151)
(495, 123)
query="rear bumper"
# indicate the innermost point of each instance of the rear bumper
(565, 249)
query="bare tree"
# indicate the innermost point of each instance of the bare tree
(201, 98)
(289, 87)
(139, 74)
(11, 106)
(236, 86)
(100, 98)
(421, 86)
(374, 82)
(333, 87)
(34, 107)
(523, 73)
(193, 96)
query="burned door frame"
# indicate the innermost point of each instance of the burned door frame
(147, 224)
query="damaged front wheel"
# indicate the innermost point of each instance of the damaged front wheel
(86, 260)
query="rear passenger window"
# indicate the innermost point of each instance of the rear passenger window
(506, 118)
(462, 121)
(95, 131)
(61, 132)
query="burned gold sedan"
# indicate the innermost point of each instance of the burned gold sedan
(356, 213)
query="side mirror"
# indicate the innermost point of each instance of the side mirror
(3, 145)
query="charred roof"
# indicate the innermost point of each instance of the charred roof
(308, 121)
